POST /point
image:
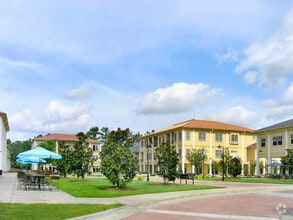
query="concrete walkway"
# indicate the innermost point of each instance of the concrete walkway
(236, 201)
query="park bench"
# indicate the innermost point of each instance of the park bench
(187, 176)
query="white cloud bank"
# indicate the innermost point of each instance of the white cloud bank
(56, 117)
(238, 115)
(270, 63)
(180, 97)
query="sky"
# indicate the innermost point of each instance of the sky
(67, 66)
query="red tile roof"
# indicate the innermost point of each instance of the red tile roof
(63, 137)
(206, 125)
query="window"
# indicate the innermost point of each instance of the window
(234, 154)
(95, 147)
(234, 138)
(187, 152)
(219, 137)
(187, 135)
(95, 169)
(262, 142)
(219, 153)
(202, 136)
(277, 141)
(291, 138)
(95, 157)
(202, 152)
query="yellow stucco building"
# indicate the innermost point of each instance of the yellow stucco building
(69, 140)
(207, 135)
(272, 144)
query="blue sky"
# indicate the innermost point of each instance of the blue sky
(70, 65)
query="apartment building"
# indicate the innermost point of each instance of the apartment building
(210, 136)
(69, 140)
(272, 144)
(4, 154)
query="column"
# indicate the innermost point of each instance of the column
(183, 151)
(153, 161)
(269, 153)
(242, 149)
(257, 158)
(211, 154)
(193, 148)
(139, 156)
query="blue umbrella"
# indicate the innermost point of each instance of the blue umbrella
(39, 152)
(275, 164)
(30, 160)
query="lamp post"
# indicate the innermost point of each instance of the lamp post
(223, 161)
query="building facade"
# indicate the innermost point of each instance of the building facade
(69, 140)
(210, 136)
(4, 154)
(272, 144)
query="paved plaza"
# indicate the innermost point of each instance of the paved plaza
(236, 201)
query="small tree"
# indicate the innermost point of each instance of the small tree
(167, 161)
(235, 166)
(288, 162)
(80, 159)
(224, 162)
(118, 162)
(196, 158)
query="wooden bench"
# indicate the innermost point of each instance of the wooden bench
(187, 176)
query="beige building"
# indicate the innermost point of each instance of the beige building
(272, 144)
(210, 136)
(69, 140)
(4, 154)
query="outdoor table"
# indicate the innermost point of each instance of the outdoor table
(37, 178)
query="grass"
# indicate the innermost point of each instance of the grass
(16, 211)
(102, 188)
(250, 180)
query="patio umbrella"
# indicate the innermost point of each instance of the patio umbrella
(39, 152)
(275, 164)
(30, 160)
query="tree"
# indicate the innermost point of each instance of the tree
(196, 158)
(63, 165)
(167, 161)
(118, 163)
(17, 147)
(80, 159)
(288, 162)
(225, 157)
(235, 166)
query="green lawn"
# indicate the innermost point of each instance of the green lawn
(16, 211)
(102, 188)
(250, 180)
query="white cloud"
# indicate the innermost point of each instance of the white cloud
(281, 112)
(56, 117)
(238, 115)
(230, 56)
(57, 110)
(250, 77)
(288, 94)
(272, 61)
(180, 97)
(11, 64)
(81, 92)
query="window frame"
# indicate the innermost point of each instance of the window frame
(263, 142)
(277, 140)
(217, 137)
(201, 136)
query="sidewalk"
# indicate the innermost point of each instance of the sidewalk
(183, 205)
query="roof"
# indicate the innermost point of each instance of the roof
(206, 125)
(5, 120)
(63, 137)
(284, 124)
